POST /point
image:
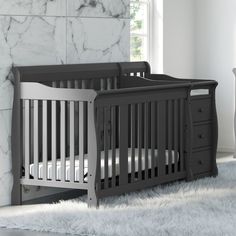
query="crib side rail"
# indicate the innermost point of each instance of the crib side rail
(57, 129)
(143, 132)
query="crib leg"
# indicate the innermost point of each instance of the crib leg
(93, 200)
(190, 176)
(16, 196)
(215, 171)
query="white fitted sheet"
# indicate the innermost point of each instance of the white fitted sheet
(77, 169)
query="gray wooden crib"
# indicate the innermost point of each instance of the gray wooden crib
(110, 128)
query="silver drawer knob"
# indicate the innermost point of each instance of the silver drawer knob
(200, 162)
(201, 136)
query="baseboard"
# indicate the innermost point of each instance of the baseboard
(227, 150)
(56, 197)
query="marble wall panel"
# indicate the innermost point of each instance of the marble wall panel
(26, 40)
(42, 32)
(98, 8)
(33, 7)
(97, 40)
(6, 178)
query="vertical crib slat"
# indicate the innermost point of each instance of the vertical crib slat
(99, 124)
(45, 142)
(161, 138)
(133, 117)
(92, 84)
(158, 161)
(68, 85)
(27, 138)
(53, 127)
(181, 127)
(81, 142)
(140, 134)
(113, 144)
(36, 141)
(106, 118)
(170, 136)
(109, 127)
(102, 84)
(115, 82)
(22, 129)
(123, 144)
(82, 124)
(176, 135)
(72, 141)
(63, 141)
(146, 110)
(83, 84)
(153, 112)
(76, 122)
(109, 81)
(76, 84)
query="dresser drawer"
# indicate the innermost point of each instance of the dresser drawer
(202, 135)
(201, 161)
(201, 109)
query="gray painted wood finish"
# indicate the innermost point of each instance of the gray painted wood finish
(65, 113)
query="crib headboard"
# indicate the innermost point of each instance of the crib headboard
(66, 72)
(78, 71)
(97, 76)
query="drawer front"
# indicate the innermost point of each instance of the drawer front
(202, 135)
(201, 161)
(201, 110)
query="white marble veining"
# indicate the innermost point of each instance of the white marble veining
(28, 41)
(35, 40)
(97, 40)
(6, 179)
(33, 7)
(6, 89)
(98, 8)
(40, 32)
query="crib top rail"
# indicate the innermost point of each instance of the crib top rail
(160, 79)
(138, 84)
(167, 78)
(121, 71)
(41, 92)
(49, 73)
(134, 67)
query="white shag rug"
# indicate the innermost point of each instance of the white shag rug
(203, 207)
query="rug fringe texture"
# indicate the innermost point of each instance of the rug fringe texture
(203, 207)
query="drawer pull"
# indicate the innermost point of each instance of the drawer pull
(200, 110)
(201, 136)
(200, 162)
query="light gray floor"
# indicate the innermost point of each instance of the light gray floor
(223, 155)
(6, 232)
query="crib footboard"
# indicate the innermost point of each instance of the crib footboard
(140, 139)
(54, 136)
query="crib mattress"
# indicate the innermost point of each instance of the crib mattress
(77, 165)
